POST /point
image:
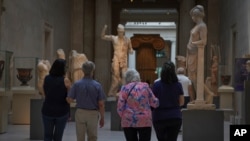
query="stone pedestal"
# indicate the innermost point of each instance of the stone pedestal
(203, 125)
(21, 104)
(226, 97)
(115, 118)
(226, 100)
(3, 112)
(72, 111)
(36, 123)
(246, 103)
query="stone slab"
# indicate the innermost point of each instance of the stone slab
(203, 125)
(246, 102)
(21, 105)
(36, 125)
(3, 113)
(115, 118)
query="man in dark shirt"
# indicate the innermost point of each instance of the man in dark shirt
(89, 97)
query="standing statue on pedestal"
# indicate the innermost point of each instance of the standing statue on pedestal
(76, 61)
(195, 58)
(43, 68)
(122, 46)
(198, 38)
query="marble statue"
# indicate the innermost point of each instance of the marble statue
(214, 75)
(195, 58)
(181, 62)
(122, 46)
(43, 68)
(60, 54)
(75, 65)
(211, 85)
(209, 94)
(198, 38)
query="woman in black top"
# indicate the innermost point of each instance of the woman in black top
(55, 109)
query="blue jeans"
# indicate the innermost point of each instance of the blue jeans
(54, 127)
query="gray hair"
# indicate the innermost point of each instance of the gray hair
(132, 75)
(88, 67)
(180, 70)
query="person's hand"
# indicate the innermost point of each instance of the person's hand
(101, 122)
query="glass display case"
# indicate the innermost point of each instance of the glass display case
(6, 64)
(24, 72)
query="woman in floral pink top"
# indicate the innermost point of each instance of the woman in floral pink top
(134, 107)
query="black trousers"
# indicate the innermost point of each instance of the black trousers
(186, 100)
(167, 130)
(137, 134)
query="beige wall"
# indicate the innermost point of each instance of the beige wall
(234, 17)
(23, 26)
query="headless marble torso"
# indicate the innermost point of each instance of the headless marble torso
(43, 68)
(120, 50)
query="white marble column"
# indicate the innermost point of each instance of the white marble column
(132, 60)
(173, 51)
(199, 102)
(200, 76)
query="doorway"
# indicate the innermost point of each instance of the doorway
(146, 47)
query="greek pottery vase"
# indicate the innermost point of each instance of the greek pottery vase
(225, 79)
(24, 75)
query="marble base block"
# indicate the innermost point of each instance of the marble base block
(21, 104)
(246, 102)
(3, 113)
(115, 118)
(36, 125)
(203, 125)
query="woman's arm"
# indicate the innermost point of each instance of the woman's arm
(181, 100)
(67, 83)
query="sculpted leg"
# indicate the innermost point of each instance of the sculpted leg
(115, 79)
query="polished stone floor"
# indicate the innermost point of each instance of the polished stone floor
(22, 132)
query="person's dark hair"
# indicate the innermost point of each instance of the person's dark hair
(58, 68)
(168, 74)
(87, 68)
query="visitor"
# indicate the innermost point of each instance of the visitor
(167, 118)
(90, 106)
(186, 85)
(55, 109)
(134, 107)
